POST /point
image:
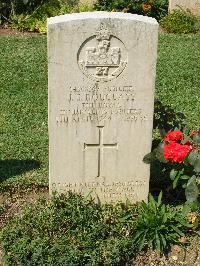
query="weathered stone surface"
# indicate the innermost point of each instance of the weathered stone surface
(192, 5)
(101, 93)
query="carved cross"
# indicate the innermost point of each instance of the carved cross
(100, 146)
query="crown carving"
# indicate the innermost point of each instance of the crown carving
(103, 33)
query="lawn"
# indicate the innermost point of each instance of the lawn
(24, 161)
(23, 94)
(23, 121)
(178, 82)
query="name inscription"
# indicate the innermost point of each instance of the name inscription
(86, 104)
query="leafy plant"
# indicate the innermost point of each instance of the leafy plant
(158, 226)
(64, 9)
(37, 19)
(183, 152)
(33, 14)
(15, 7)
(153, 8)
(180, 21)
(70, 230)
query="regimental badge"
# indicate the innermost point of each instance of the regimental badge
(103, 56)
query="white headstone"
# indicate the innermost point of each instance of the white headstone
(192, 5)
(101, 93)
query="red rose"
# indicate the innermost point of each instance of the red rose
(175, 152)
(173, 136)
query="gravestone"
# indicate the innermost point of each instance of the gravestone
(101, 93)
(192, 5)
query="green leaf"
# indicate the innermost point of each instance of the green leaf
(158, 242)
(197, 166)
(176, 181)
(143, 206)
(125, 218)
(177, 175)
(191, 190)
(159, 153)
(163, 241)
(173, 174)
(152, 202)
(186, 224)
(186, 209)
(165, 218)
(138, 235)
(162, 209)
(186, 161)
(185, 177)
(148, 158)
(193, 156)
(142, 242)
(160, 198)
(196, 139)
(177, 230)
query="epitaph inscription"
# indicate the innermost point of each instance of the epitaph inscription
(102, 57)
(109, 192)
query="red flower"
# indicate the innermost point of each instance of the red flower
(173, 136)
(175, 152)
(146, 7)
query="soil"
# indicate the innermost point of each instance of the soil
(7, 31)
(178, 256)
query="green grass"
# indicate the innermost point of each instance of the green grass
(178, 71)
(23, 120)
(23, 94)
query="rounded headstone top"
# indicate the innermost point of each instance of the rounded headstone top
(101, 15)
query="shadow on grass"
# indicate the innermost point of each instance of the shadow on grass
(166, 118)
(10, 168)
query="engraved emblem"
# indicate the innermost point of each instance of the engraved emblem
(103, 56)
